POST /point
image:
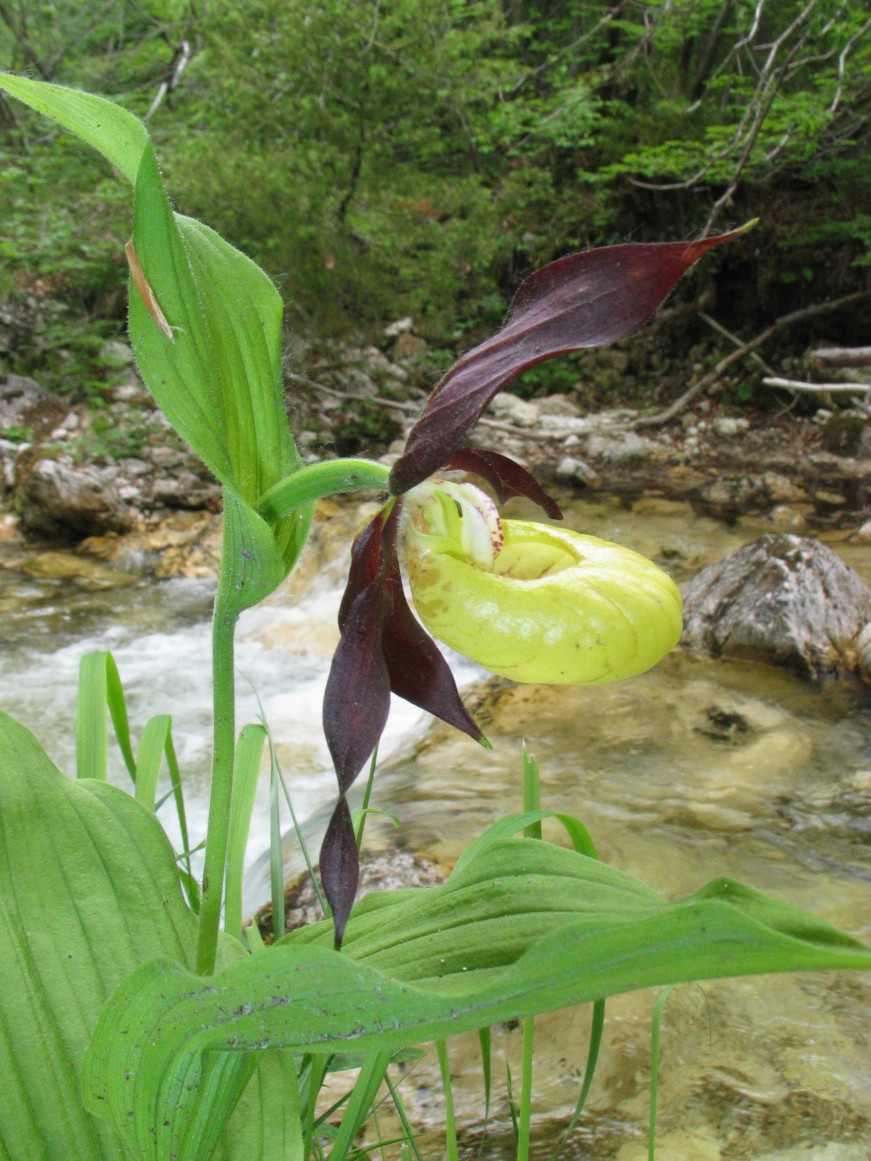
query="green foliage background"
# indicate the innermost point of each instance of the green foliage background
(419, 157)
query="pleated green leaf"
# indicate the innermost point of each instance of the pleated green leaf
(205, 321)
(255, 557)
(526, 927)
(89, 892)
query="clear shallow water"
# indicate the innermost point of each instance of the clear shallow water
(159, 635)
(697, 769)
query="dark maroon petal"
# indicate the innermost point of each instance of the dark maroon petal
(340, 867)
(417, 670)
(367, 561)
(583, 300)
(506, 477)
(357, 697)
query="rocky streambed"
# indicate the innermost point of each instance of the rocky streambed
(702, 767)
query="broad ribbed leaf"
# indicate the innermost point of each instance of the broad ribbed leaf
(525, 927)
(89, 892)
(584, 300)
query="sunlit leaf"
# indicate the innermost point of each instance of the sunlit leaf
(89, 892)
(205, 321)
(525, 927)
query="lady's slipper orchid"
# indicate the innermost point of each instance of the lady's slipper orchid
(531, 602)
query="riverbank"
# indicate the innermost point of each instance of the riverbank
(117, 484)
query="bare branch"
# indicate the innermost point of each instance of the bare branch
(844, 356)
(818, 388)
(712, 376)
(735, 341)
(842, 65)
(398, 405)
(177, 65)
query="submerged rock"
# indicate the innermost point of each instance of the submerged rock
(380, 870)
(783, 600)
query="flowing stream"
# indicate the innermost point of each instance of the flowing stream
(695, 770)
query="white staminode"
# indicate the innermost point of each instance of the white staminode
(460, 514)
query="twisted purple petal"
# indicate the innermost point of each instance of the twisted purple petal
(506, 477)
(583, 300)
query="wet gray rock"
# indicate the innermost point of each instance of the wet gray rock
(23, 403)
(783, 600)
(64, 501)
(511, 409)
(184, 489)
(844, 432)
(380, 870)
(620, 449)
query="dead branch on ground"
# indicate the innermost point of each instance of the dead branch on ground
(747, 348)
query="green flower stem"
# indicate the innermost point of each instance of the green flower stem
(224, 727)
(319, 480)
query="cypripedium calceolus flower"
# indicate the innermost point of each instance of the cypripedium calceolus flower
(531, 602)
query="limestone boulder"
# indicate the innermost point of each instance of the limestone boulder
(783, 600)
(66, 501)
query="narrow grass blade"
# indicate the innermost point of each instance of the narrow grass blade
(531, 791)
(276, 848)
(589, 1072)
(409, 1144)
(511, 824)
(311, 1075)
(92, 730)
(249, 752)
(360, 822)
(360, 1102)
(484, 1042)
(118, 711)
(450, 1120)
(654, 1068)
(152, 746)
(177, 792)
(524, 1116)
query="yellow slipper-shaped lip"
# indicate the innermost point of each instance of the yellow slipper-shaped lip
(556, 607)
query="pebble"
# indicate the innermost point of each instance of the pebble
(520, 412)
(728, 426)
(570, 468)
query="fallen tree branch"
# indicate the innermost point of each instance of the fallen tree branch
(726, 362)
(800, 385)
(844, 356)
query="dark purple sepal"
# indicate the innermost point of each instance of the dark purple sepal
(357, 696)
(418, 672)
(583, 300)
(368, 555)
(506, 477)
(340, 867)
